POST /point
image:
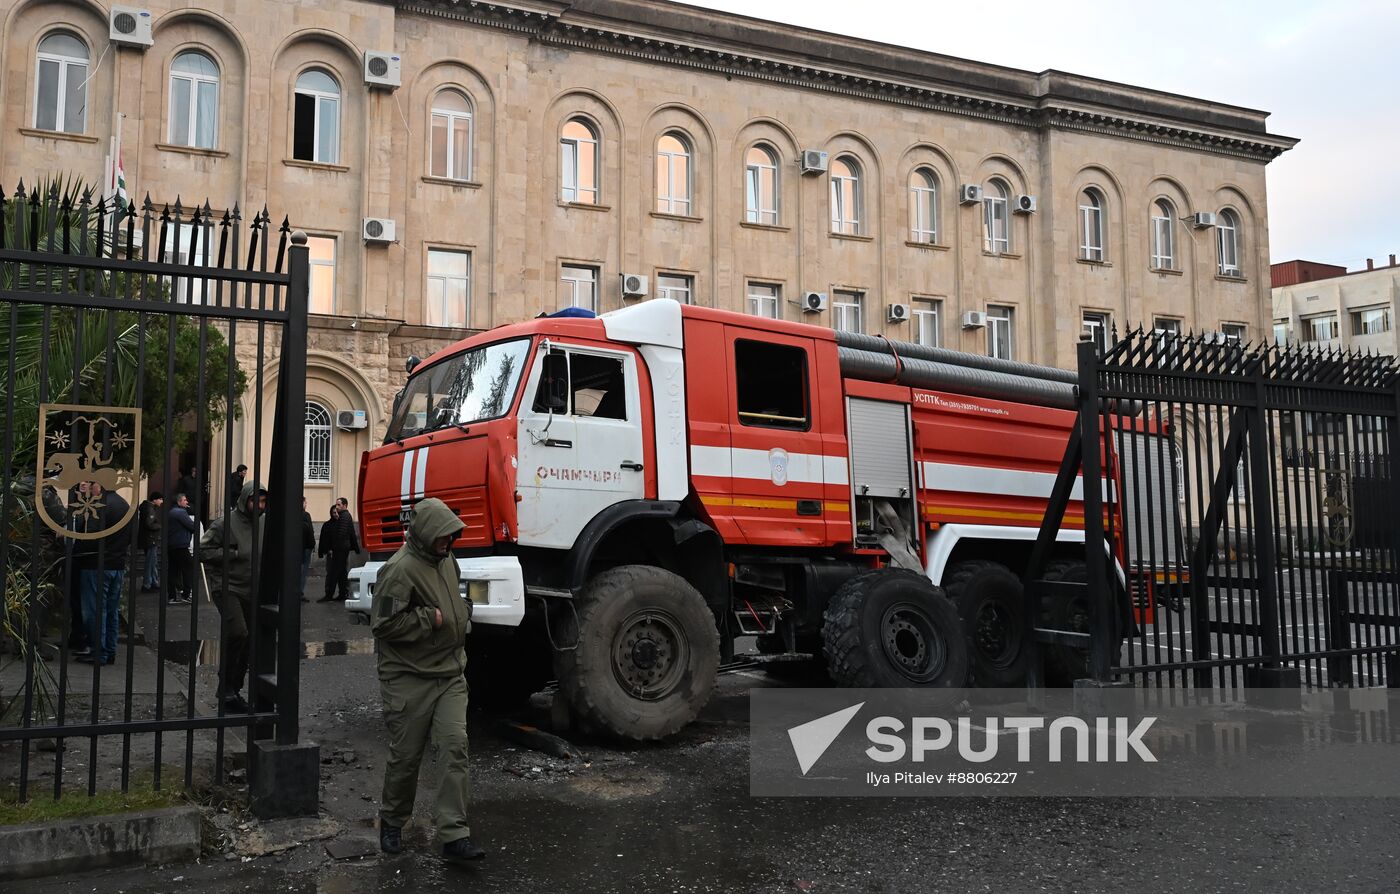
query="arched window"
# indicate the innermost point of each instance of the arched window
(317, 444)
(923, 206)
(996, 220)
(578, 161)
(1227, 241)
(1163, 235)
(673, 174)
(846, 196)
(1091, 225)
(451, 136)
(761, 186)
(60, 83)
(194, 101)
(316, 125)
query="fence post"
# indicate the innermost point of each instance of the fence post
(286, 773)
(1271, 674)
(1392, 658)
(1095, 562)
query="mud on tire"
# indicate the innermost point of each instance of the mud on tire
(893, 628)
(647, 654)
(991, 602)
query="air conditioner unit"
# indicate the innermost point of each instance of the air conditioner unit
(813, 302)
(969, 194)
(897, 313)
(974, 319)
(813, 161)
(1024, 205)
(379, 230)
(383, 69)
(130, 27)
(351, 420)
(634, 285)
(1203, 219)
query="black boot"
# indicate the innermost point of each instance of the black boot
(390, 839)
(461, 851)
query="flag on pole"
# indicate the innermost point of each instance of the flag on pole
(119, 180)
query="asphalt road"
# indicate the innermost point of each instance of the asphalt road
(679, 818)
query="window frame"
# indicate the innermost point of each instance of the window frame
(754, 301)
(430, 277)
(993, 340)
(452, 116)
(596, 273)
(841, 310)
(679, 204)
(1100, 325)
(1227, 243)
(1091, 228)
(687, 279)
(921, 311)
(309, 431)
(1310, 322)
(64, 63)
(314, 263)
(1358, 322)
(847, 211)
(1234, 333)
(1163, 234)
(754, 212)
(571, 145)
(317, 98)
(774, 346)
(185, 289)
(923, 205)
(996, 207)
(195, 80)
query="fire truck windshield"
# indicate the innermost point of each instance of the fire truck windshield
(473, 386)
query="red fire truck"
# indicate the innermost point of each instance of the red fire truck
(641, 489)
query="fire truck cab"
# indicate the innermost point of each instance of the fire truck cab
(641, 489)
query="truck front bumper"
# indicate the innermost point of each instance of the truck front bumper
(494, 584)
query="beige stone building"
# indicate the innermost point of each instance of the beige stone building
(536, 153)
(1326, 306)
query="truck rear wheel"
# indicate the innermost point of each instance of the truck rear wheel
(893, 628)
(1065, 664)
(992, 605)
(647, 654)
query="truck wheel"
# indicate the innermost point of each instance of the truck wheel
(992, 605)
(647, 654)
(893, 628)
(1065, 664)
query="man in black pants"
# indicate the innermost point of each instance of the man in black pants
(338, 541)
(181, 528)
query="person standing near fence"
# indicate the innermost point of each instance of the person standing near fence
(101, 564)
(338, 541)
(149, 539)
(308, 545)
(181, 528)
(226, 549)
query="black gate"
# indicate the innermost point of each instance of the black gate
(1247, 502)
(134, 337)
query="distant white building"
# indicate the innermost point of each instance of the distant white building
(1325, 305)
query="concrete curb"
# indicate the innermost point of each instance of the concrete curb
(153, 836)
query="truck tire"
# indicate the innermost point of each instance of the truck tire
(647, 654)
(893, 628)
(992, 604)
(1065, 664)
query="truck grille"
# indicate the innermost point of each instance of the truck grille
(470, 507)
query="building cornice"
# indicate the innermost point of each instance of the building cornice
(1038, 107)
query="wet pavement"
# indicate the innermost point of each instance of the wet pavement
(678, 817)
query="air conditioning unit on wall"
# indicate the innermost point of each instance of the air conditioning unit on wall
(897, 313)
(379, 230)
(974, 319)
(969, 194)
(130, 27)
(634, 285)
(813, 161)
(351, 420)
(1024, 205)
(1203, 219)
(383, 70)
(813, 302)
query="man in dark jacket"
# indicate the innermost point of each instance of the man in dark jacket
(226, 549)
(308, 545)
(101, 564)
(235, 485)
(420, 625)
(338, 541)
(148, 538)
(181, 530)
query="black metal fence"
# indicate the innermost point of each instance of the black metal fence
(1248, 497)
(137, 342)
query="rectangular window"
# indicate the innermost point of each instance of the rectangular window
(1000, 334)
(449, 288)
(1280, 332)
(1098, 325)
(1370, 320)
(848, 311)
(927, 314)
(578, 287)
(674, 286)
(996, 225)
(761, 193)
(1234, 333)
(322, 274)
(580, 384)
(1091, 232)
(771, 385)
(60, 102)
(1322, 328)
(185, 245)
(1166, 325)
(763, 299)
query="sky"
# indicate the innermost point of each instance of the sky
(1327, 72)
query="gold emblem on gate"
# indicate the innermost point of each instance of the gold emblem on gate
(80, 446)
